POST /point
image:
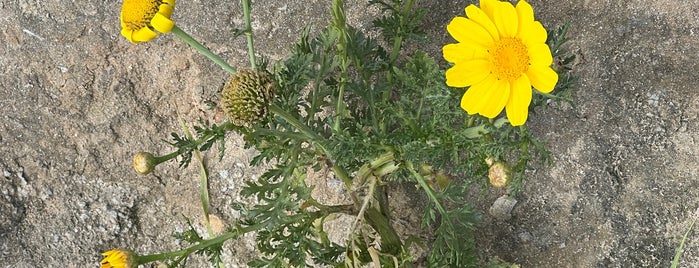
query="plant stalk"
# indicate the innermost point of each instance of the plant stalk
(202, 49)
(202, 245)
(248, 32)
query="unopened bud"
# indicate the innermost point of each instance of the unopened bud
(144, 163)
(437, 180)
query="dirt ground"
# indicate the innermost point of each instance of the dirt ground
(78, 100)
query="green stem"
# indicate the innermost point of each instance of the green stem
(204, 180)
(423, 184)
(202, 245)
(314, 139)
(339, 22)
(395, 51)
(160, 159)
(376, 167)
(525, 144)
(202, 49)
(678, 253)
(471, 121)
(295, 123)
(163, 158)
(226, 126)
(248, 32)
(398, 42)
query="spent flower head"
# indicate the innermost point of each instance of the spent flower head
(119, 258)
(501, 53)
(247, 95)
(499, 173)
(143, 20)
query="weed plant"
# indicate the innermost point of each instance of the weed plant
(377, 116)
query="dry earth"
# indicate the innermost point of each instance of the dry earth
(78, 100)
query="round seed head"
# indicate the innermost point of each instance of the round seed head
(246, 96)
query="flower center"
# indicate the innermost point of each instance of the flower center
(137, 14)
(509, 58)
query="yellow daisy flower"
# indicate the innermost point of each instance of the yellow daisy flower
(142, 20)
(119, 258)
(501, 53)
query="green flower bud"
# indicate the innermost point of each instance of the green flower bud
(246, 96)
(144, 163)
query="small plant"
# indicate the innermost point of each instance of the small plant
(680, 248)
(376, 117)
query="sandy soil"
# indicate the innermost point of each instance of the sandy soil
(78, 100)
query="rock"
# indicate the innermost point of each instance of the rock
(502, 208)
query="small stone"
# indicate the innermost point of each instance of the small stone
(525, 236)
(502, 208)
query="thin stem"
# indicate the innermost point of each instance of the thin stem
(204, 180)
(398, 42)
(163, 158)
(525, 144)
(202, 49)
(202, 245)
(471, 121)
(159, 159)
(365, 205)
(295, 123)
(339, 23)
(314, 139)
(423, 184)
(248, 32)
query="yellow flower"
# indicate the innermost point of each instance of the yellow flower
(140, 19)
(501, 53)
(119, 258)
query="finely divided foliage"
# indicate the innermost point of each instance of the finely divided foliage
(375, 116)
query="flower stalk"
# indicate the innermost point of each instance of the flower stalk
(248, 32)
(144, 162)
(200, 246)
(202, 49)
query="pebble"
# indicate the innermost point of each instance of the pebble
(502, 208)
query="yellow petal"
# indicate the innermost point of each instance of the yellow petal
(166, 10)
(525, 13)
(161, 23)
(540, 54)
(506, 19)
(487, 98)
(467, 31)
(532, 33)
(128, 34)
(488, 7)
(467, 73)
(462, 52)
(478, 16)
(142, 35)
(456, 52)
(543, 78)
(518, 104)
